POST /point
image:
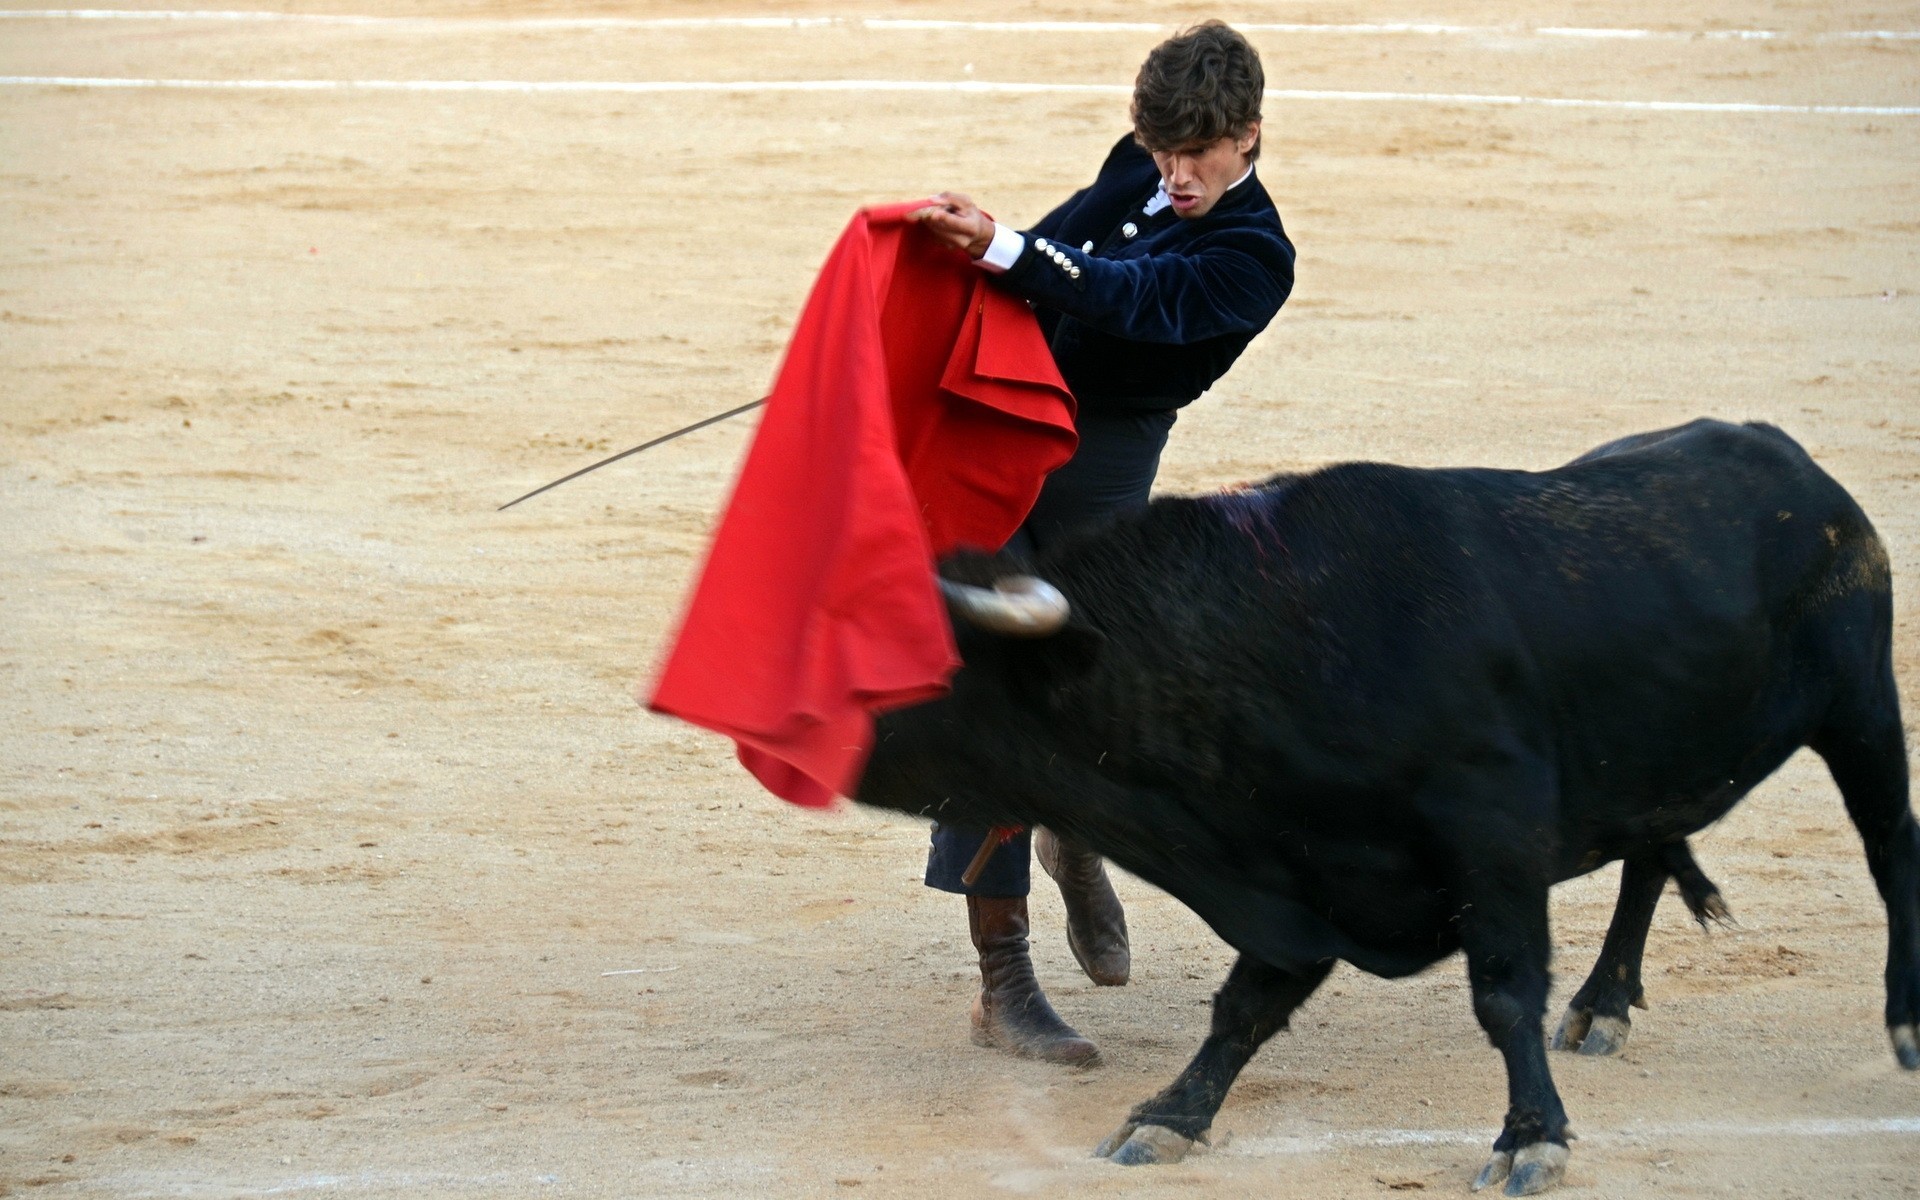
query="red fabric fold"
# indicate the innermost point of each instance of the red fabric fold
(918, 410)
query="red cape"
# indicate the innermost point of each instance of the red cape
(918, 410)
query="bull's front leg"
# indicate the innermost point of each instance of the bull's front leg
(1504, 930)
(1494, 815)
(1249, 1008)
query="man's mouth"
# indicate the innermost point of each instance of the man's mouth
(1182, 202)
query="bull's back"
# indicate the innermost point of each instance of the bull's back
(1710, 521)
(1709, 532)
(1302, 653)
(1686, 602)
(1664, 618)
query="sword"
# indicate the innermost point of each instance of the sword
(996, 837)
(732, 412)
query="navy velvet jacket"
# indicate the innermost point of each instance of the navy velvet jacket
(1150, 320)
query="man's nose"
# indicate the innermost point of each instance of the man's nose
(1179, 173)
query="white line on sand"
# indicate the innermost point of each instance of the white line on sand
(938, 25)
(968, 86)
(453, 24)
(1315, 1143)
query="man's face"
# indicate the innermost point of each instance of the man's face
(1197, 176)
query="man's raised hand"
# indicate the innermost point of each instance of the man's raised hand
(956, 220)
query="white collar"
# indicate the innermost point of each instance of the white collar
(1160, 200)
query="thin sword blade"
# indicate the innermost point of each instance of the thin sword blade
(732, 412)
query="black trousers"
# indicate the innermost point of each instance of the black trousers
(1110, 472)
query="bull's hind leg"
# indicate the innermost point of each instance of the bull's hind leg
(1596, 1020)
(1866, 751)
(1250, 1007)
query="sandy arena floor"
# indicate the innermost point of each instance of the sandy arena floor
(327, 813)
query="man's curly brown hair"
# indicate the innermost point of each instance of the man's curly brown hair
(1197, 87)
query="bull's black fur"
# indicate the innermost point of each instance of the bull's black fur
(1372, 713)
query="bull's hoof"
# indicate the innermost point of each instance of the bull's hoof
(1573, 1030)
(1537, 1168)
(1583, 1033)
(1134, 1145)
(1496, 1170)
(1607, 1035)
(1906, 1045)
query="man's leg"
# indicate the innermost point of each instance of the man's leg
(1111, 472)
(1011, 1012)
(1096, 922)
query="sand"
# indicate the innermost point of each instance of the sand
(327, 812)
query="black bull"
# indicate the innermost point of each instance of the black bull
(1373, 713)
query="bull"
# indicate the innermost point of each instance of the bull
(1373, 713)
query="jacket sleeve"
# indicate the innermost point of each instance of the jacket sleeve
(1232, 281)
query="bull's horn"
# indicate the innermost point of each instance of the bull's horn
(1019, 605)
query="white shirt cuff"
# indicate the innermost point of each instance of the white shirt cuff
(1003, 250)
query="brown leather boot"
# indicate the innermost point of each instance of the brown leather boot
(1012, 1012)
(1096, 924)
